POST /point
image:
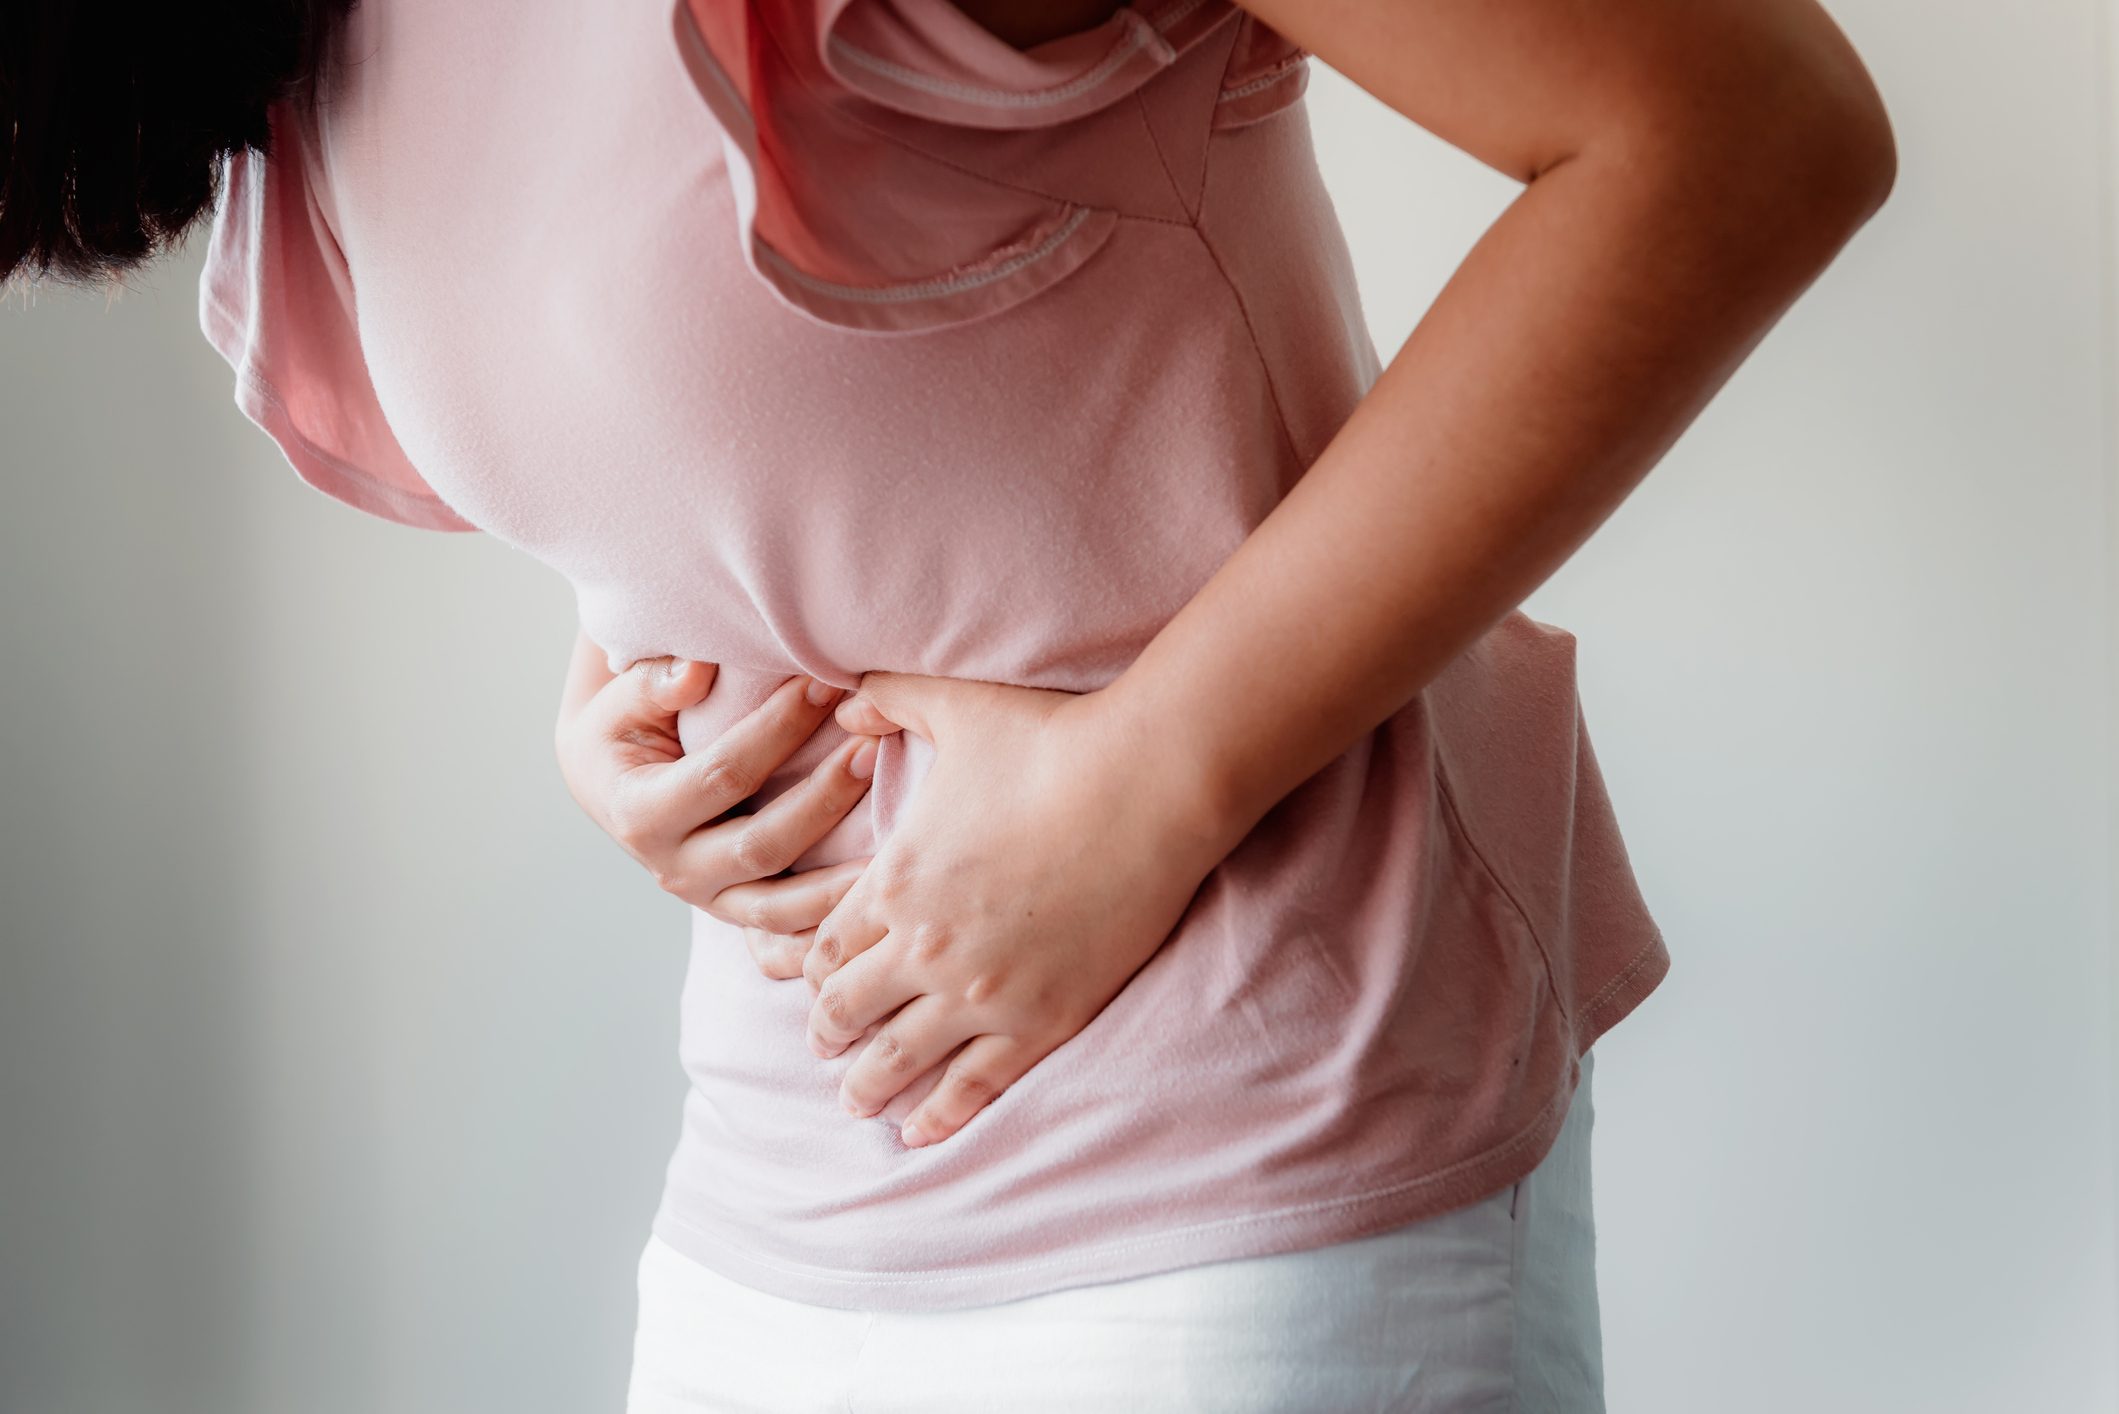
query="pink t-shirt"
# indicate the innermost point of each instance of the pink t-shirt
(838, 335)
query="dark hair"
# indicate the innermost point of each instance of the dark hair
(114, 119)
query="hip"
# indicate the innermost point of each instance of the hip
(1488, 1307)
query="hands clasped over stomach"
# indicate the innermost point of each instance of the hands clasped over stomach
(682, 816)
(1021, 888)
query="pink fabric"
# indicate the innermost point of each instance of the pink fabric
(837, 335)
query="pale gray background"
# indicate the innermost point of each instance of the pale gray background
(336, 1049)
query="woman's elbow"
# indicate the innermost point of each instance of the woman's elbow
(1820, 114)
(1854, 161)
(1789, 153)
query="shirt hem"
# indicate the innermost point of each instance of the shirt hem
(1293, 1228)
(261, 403)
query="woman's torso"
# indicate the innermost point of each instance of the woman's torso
(1070, 324)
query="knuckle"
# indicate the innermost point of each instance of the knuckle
(1045, 998)
(724, 777)
(974, 1087)
(890, 1053)
(625, 822)
(756, 852)
(834, 1005)
(929, 942)
(770, 953)
(984, 986)
(826, 946)
(885, 880)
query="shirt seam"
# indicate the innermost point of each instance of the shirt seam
(1243, 311)
(1485, 1158)
(1645, 957)
(1140, 106)
(1243, 308)
(935, 286)
(1447, 794)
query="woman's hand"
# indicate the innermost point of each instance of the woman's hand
(1034, 871)
(623, 763)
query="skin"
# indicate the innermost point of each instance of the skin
(1689, 168)
(619, 754)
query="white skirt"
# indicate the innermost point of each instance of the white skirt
(1492, 1307)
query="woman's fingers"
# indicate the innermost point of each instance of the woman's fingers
(913, 1042)
(980, 1072)
(623, 760)
(778, 955)
(731, 768)
(843, 936)
(609, 724)
(857, 994)
(717, 858)
(761, 844)
(637, 710)
(795, 903)
(653, 810)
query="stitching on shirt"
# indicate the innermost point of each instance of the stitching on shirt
(1158, 220)
(1199, 230)
(1448, 795)
(1487, 1158)
(1140, 106)
(1243, 311)
(1626, 974)
(1266, 80)
(923, 289)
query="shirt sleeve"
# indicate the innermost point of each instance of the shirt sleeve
(277, 302)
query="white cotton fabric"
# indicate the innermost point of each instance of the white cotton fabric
(1487, 1309)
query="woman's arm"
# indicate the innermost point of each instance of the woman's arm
(1690, 167)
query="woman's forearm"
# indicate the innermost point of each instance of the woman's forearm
(1577, 340)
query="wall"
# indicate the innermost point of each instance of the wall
(337, 1049)
(1847, 658)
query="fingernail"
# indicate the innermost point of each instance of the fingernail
(910, 1136)
(863, 763)
(819, 692)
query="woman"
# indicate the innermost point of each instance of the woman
(1206, 898)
